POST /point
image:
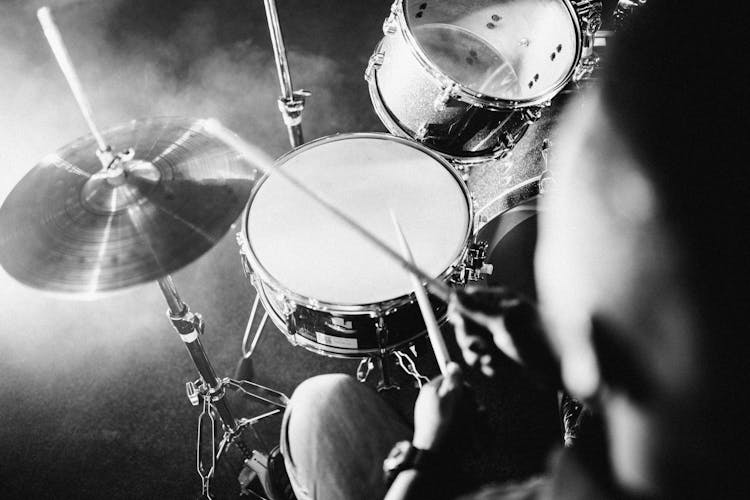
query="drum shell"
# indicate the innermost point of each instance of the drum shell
(511, 243)
(369, 333)
(420, 109)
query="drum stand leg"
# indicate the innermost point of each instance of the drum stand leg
(211, 391)
(246, 353)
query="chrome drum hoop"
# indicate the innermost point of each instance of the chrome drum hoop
(506, 127)
(584, 14)
(436, 110)
(280, 301)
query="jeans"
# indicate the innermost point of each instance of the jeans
(334, 437)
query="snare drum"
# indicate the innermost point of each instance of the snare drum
(466, 78)
(325, 286)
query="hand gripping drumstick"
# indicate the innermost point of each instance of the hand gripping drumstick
(63, 60)
(433, 330)
(251, 153)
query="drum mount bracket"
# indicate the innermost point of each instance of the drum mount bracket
(590, 14)
(473, 268)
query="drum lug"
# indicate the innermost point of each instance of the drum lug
(584, 68)
(442, 100)
(590, 14)
(532, 114)
(244, 250)
(374, 64)
(390, 25)
(381, 330)
(287, 311)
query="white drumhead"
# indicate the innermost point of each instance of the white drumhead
(308, 251)
(507, 49)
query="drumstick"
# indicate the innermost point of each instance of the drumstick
(254, 154)
(433, 330)
(63, 60)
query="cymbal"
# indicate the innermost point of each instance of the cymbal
(71, 226)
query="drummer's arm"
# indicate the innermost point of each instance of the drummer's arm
(434, 411)
(512, 326)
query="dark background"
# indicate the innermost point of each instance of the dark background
(91, 392)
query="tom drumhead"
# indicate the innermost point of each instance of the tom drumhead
(513, 50)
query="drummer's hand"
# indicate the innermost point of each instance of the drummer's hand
(482, 345)
(435, 408)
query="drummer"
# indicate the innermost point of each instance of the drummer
(638, 278)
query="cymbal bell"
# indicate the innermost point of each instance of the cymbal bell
(71, 225)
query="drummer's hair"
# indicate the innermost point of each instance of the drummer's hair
(671, 85)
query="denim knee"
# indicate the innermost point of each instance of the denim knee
(320, 388)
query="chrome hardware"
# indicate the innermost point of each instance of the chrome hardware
(407, 364)
(441, 101)
(192, 392)
(590, 15)
(375, 62)
(187, 323)
(291, 107)
(584, 68)
(473, 267)
(247, 352)
(381, 330)
(206, 445)
(533, 114)
(244, 247)
(257, 391)
(288, 307)
(364, 368)
(390, 24)
(624, 9)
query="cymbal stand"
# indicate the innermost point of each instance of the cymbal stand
(211, 390)
(208, 388)
(291, 104)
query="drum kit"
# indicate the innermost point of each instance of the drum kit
(456, 83)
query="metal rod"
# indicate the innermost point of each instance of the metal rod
(279, 50)
(290, 103)
(169, 290)
(63, 60)
(189, 326)
(433, 330)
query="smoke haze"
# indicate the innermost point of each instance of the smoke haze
(135, 59)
